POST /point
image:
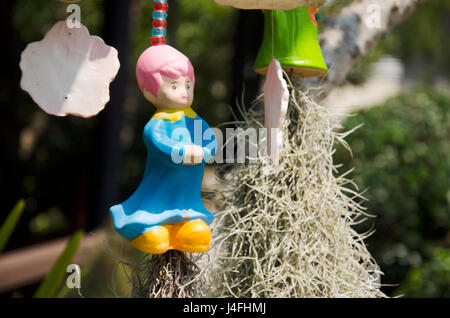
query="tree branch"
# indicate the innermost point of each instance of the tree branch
(350, 36)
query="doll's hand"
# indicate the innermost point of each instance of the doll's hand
(193, 155)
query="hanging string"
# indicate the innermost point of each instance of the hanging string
(273, 42)
(159, 24)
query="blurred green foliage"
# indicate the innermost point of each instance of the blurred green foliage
(8, 226)
(56, 274)
(402, 156)
(431, 279)
(51, 220)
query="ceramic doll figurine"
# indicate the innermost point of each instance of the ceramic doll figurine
(166, 211)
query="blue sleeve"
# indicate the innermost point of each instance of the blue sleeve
(159, 134)
(209, 143)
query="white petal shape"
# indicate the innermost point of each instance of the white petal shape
(276, 99)
(69, 71)
(271, 4)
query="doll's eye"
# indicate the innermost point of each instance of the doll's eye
(188, 86)
(174, 87)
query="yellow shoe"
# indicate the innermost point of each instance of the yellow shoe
(192, 236)
(155, 241)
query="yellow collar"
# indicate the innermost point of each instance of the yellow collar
(174, 114)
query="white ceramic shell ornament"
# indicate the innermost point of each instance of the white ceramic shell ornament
(271, 4)
(276, 100)
(69, 71)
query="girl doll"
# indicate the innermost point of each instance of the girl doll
(166, 211)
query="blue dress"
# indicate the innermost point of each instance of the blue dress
(169, 192)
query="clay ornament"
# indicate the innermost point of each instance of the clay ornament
(276, 99)
(291, 38)
(166, 211)
(69, 71)
(271, 4)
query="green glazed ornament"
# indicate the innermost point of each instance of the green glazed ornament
(291, 38)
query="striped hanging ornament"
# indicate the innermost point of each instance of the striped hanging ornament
(160, 8)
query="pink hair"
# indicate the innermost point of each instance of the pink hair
(161, 60)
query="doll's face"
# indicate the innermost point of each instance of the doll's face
(173, 93)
